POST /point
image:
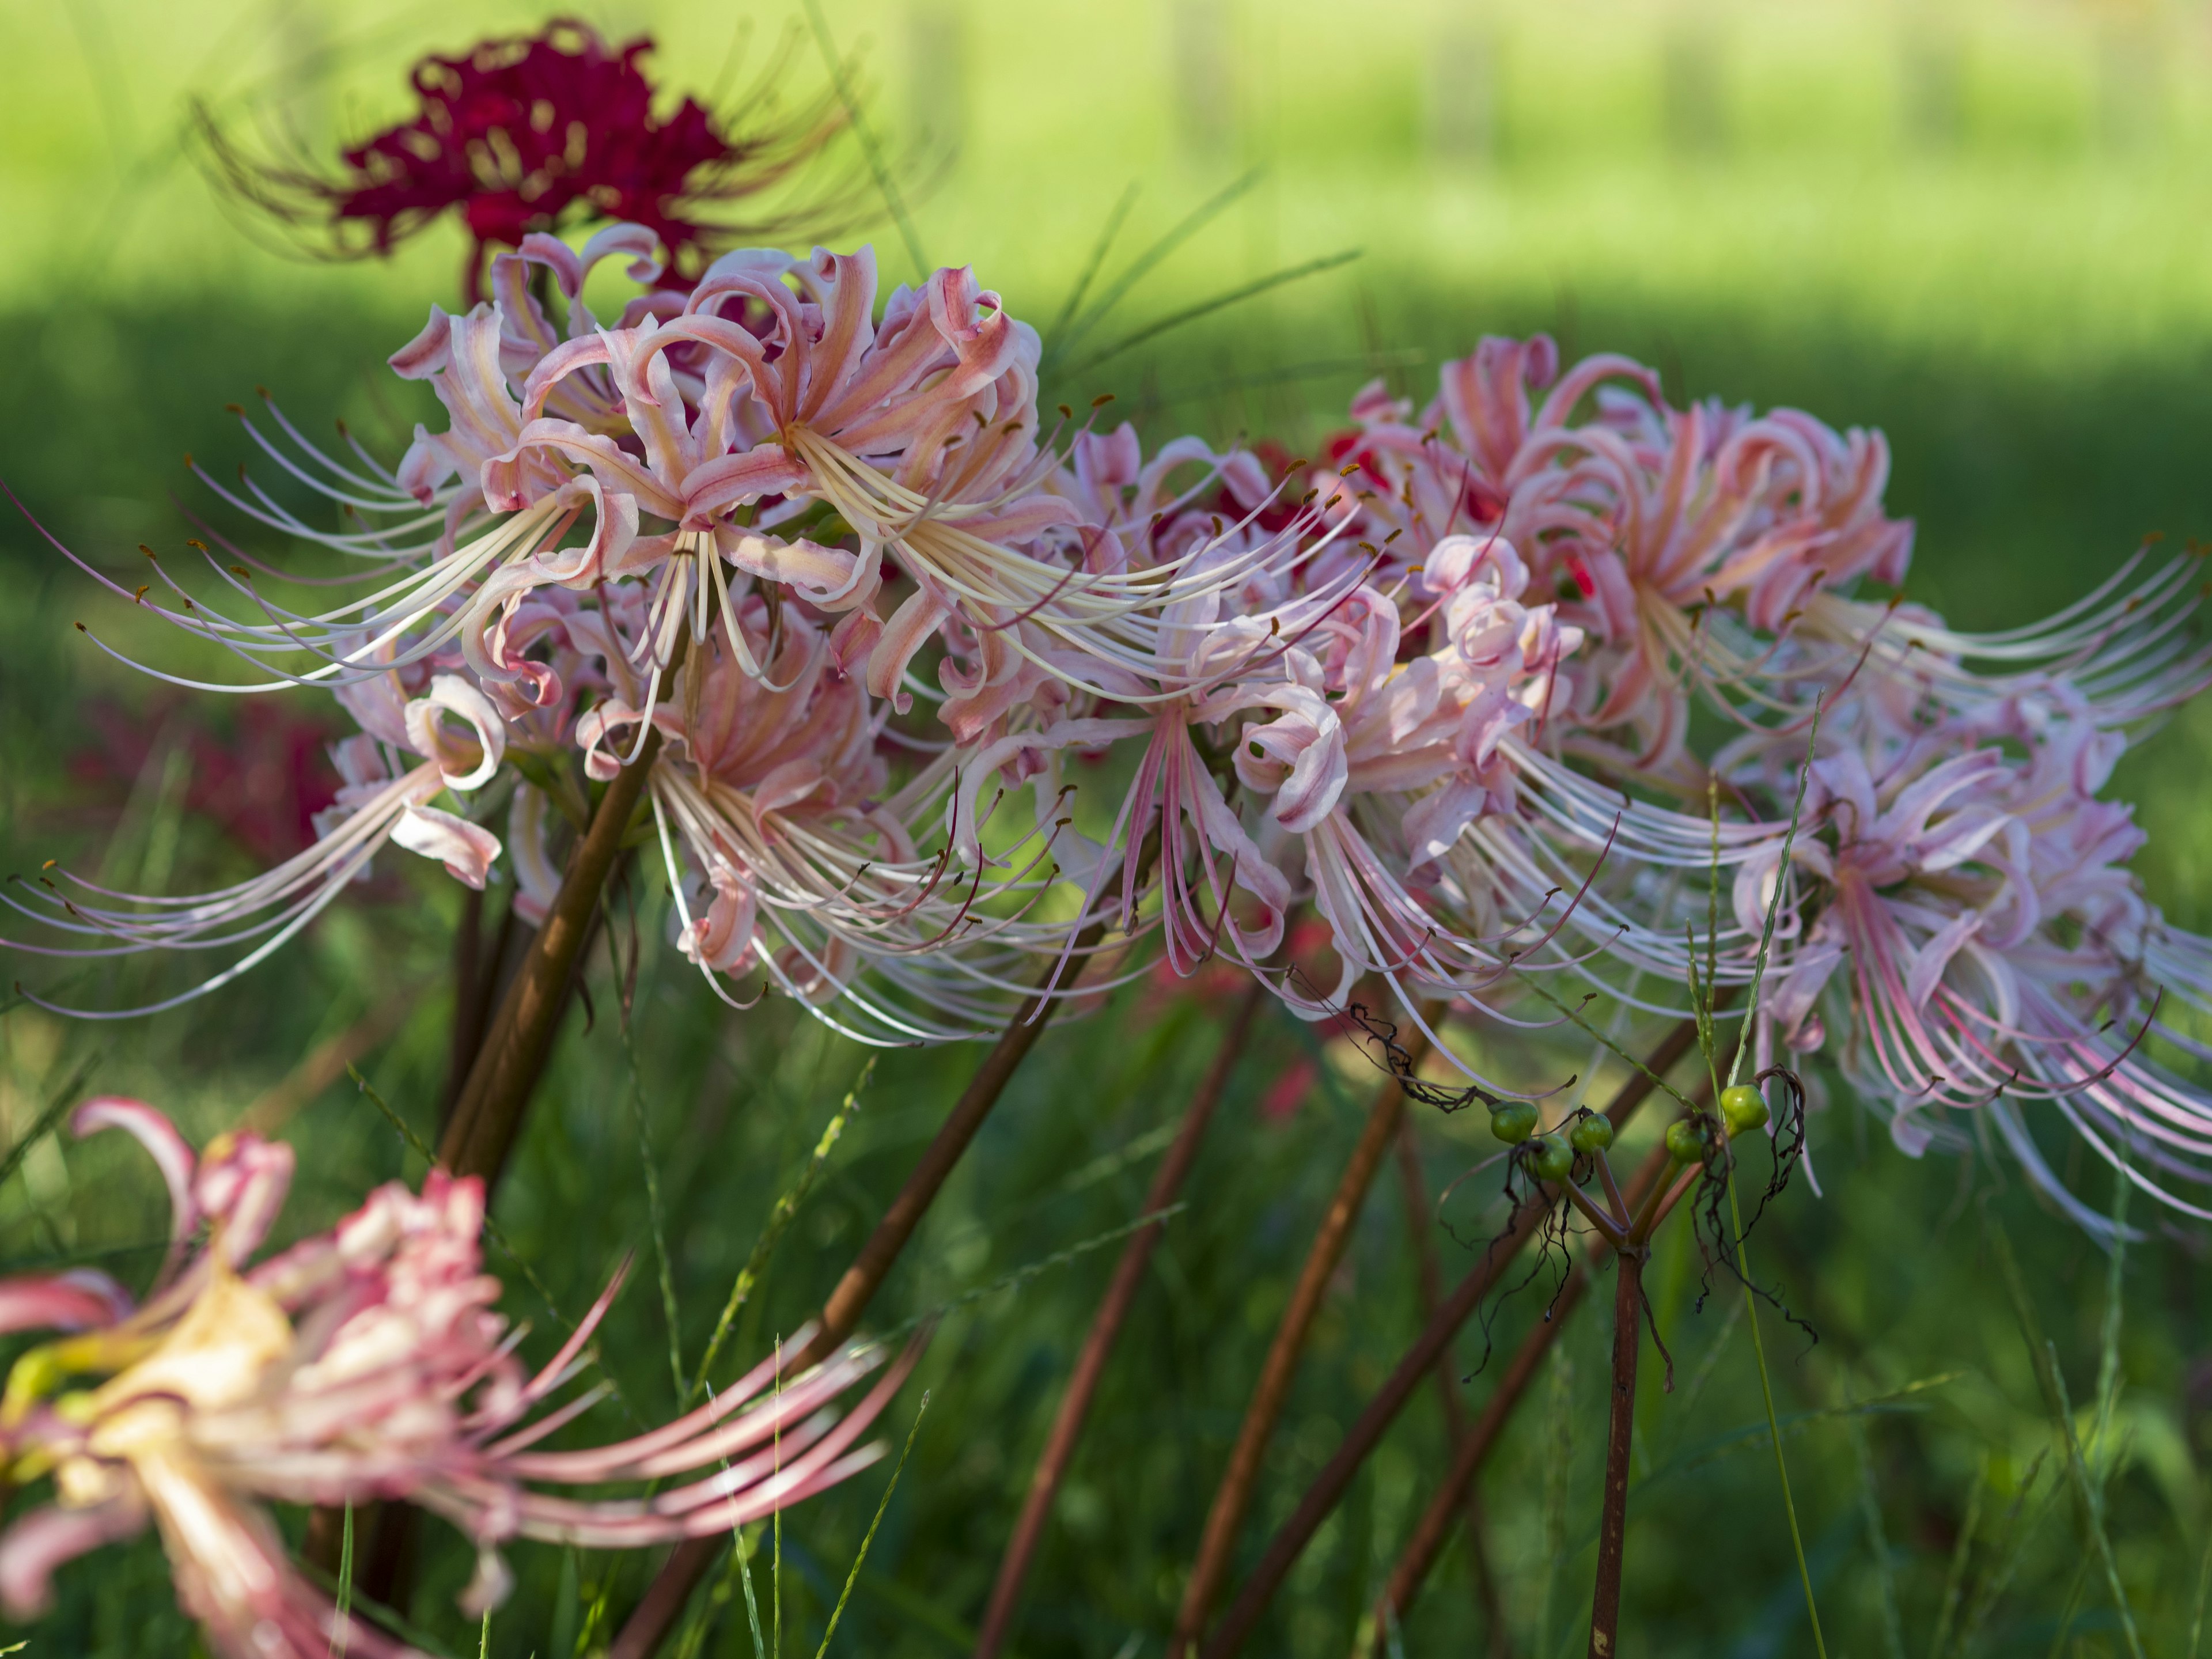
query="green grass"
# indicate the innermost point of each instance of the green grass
(2014, 289)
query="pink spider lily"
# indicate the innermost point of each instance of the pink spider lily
(529, 134)
(1976, 940)
(365, 1363)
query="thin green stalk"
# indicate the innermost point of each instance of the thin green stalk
(2015, 1534)
(1142, 265)
(1955, 1581)
(1767, 1390)
(2089, 1494)
(2203, 1582)
(1559, 1443)
(1219, 301)
(1893, 1629)
(1091, 266)
(656, 1219)
(2094, 1498)
(869, 1537)
(2070, 1611)
(779, 1220)
(56, 1106)
(345, 1583)
(1022, 1275)
(752, 1601)
(885, 183)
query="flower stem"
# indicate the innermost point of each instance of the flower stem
(1233, 1496)
(1773, 1427)
(1620, 1436)
(1105, 1326)
(1434, 1527)
(1428, 1280)
(1416, 1366)
(488, 1113)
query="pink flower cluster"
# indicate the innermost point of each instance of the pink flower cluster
(365, 1363)
(1489, 694)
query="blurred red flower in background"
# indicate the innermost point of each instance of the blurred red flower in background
(538, 132)
(262, 786)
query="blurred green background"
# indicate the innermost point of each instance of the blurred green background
(1983, 227)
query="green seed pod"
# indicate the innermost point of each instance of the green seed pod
(1744, 1108)
(1514, 1121)
(1591, 1134)
(1551, 1158)
(1686, 1141)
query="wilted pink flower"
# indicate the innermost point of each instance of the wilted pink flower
(365, 1363)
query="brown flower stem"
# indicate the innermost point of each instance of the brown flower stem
(1233, 1496)
(1105, 1326)
(1434, 1527)
(1429, 1280)
(1418, 1365)
(1620, 1436)
(488, 1113)
(664, 1598)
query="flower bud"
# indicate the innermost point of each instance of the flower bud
(1743, 1108)
(1686, 1140)
(1514, 1121)
(1550, 1157)
(1591, 1134)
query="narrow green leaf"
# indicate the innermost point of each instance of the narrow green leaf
(881, 171)
(1205, 308)
(1954, 1580)
(869, 1537)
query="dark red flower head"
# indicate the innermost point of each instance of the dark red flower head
(537, 133)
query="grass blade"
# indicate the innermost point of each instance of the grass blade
(869, 1537)
(2196, 1622)
(1766, 1391)
(779, 1220)
(1559, 1443)
(876, 167)
(1091, 266)
(56, 1106)
(1955, 1581)
(1893, 1629)
(1143, 264)
(2089, 1496)
(656, 1218)
(345, 1583)
(1205, 308)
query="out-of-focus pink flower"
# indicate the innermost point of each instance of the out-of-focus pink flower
(366, 1363)
(529, 134)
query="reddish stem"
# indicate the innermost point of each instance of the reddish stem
(1105, 1326)
(1233, 1496)
(1620, 1436)
(1434, 1527)
(1329, 1487)
(1428, 1278)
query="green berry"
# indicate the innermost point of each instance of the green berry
(1591, 1134)
(1514, 1121)
(1686, 1141)
(1551, 1158)
(1744, 1108)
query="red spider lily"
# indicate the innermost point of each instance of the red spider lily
(263, 787)
(535, 133)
